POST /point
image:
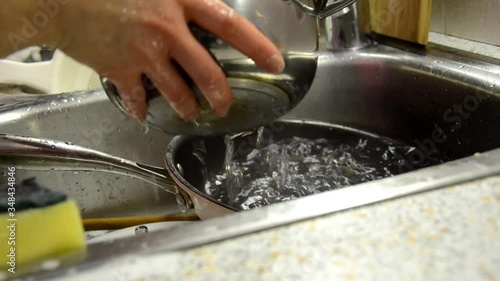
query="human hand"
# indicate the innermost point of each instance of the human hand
(123, 39)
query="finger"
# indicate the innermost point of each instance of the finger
(221, 20)
(133, 96)
(171, 85)
(204, 71)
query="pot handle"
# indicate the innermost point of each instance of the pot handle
(321, 10)
(49, 155)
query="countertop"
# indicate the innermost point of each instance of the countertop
(447, 234)
(466, 45)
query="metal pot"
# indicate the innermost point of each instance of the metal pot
(183, 175)
(259, 97)
(190, 162)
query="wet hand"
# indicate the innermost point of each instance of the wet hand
(123, 39)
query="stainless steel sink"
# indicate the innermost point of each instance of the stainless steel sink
(433, 98)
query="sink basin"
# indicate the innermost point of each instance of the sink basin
(434, 99)
(89, 119)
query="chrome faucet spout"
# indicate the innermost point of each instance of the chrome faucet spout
(343, 32)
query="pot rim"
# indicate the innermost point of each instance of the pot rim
(172, 149)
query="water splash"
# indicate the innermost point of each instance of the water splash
(145, 128)
(228, 158)
(261, 138)
(232, 174)
(297, 167)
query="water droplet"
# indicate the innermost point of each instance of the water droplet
(50, 265)
(145, 128)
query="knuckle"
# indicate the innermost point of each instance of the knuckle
(158, 73)
(171, 30)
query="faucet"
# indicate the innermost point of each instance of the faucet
(343, 32)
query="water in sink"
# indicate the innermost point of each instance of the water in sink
(294, 167)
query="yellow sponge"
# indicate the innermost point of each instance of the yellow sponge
(35, 234)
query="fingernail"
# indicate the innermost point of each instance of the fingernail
(130, 112)
(222, 111)
(141, 117)
(276, 63)
(187, 114)
(134, 111)
(138, 116)
(215, 103)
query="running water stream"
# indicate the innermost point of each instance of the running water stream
(280, 170)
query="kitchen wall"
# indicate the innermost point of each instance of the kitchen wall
(477, 20)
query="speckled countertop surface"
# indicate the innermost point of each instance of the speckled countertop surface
(466, 45)
(447, 234)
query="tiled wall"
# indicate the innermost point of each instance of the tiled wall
(477, 20)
